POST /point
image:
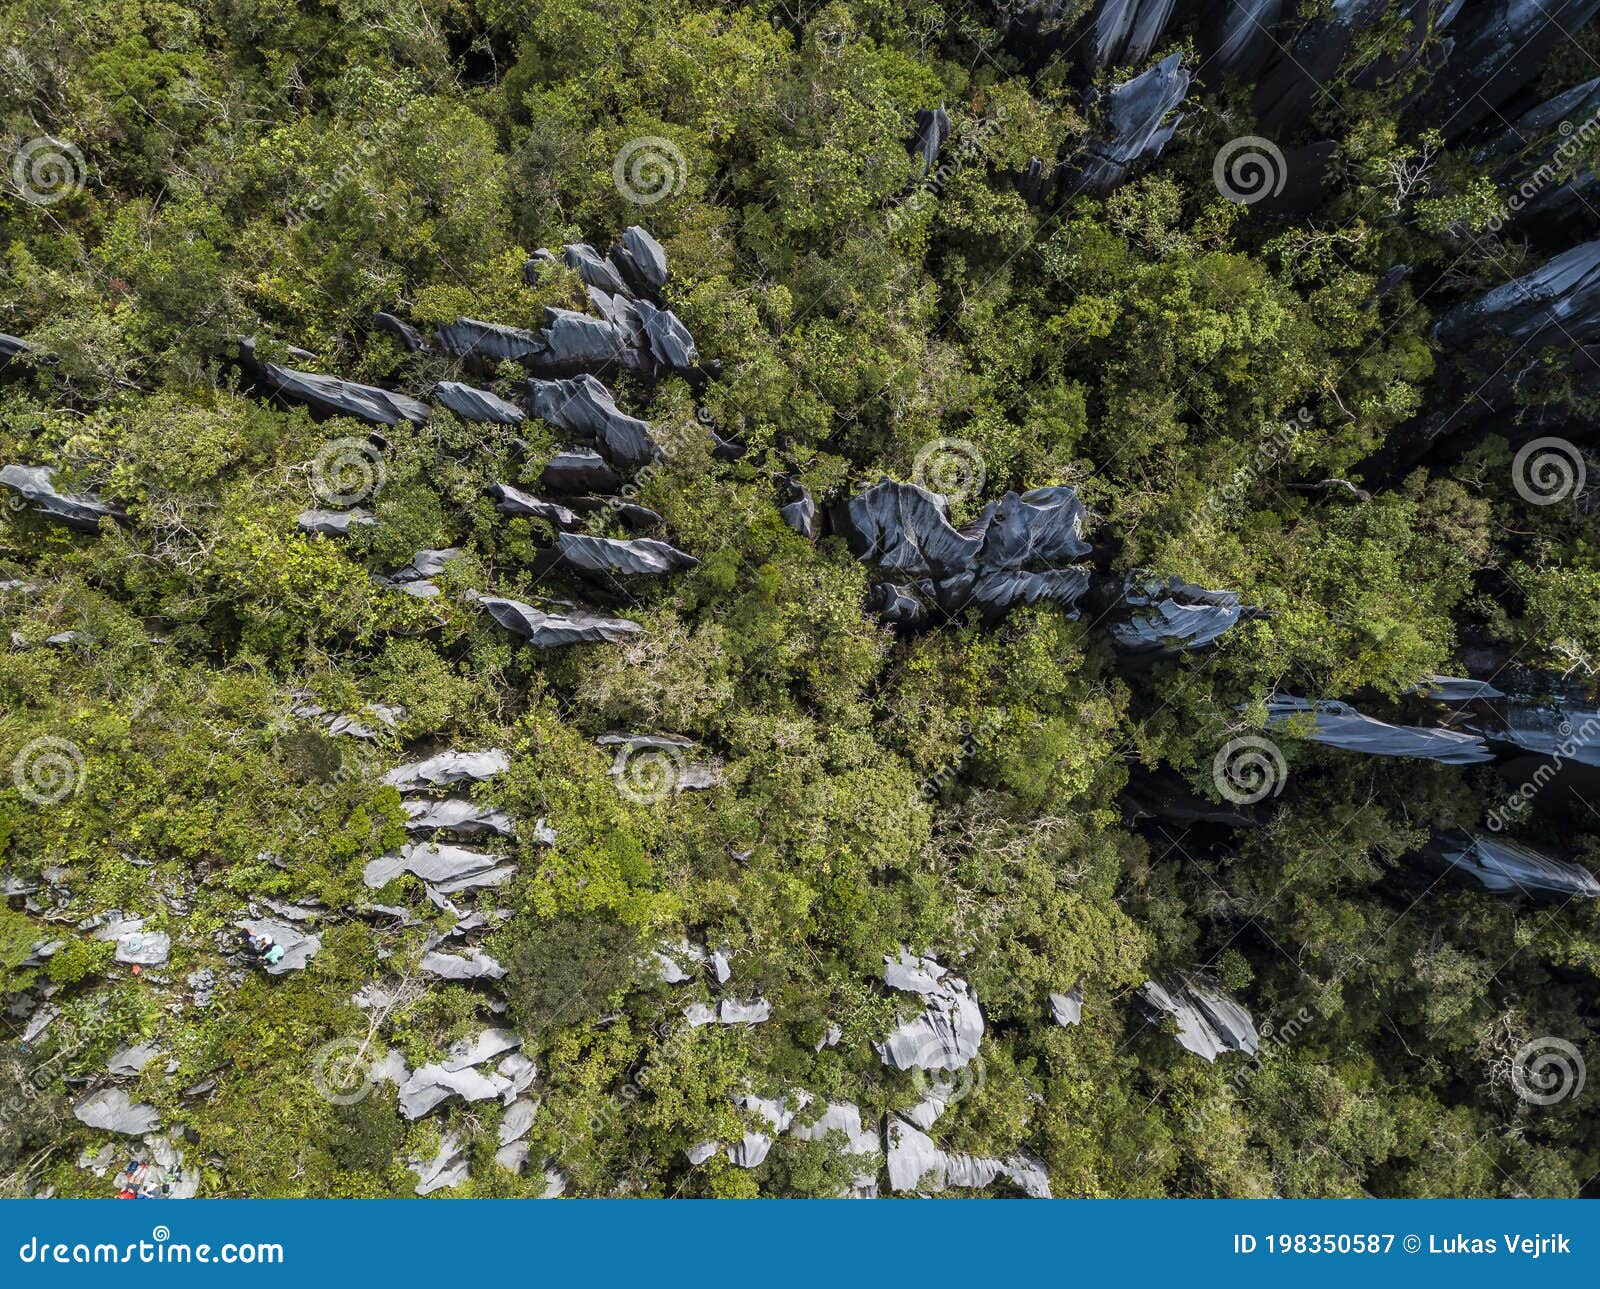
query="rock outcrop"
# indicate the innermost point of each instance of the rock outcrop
(1340, 725)
(329, 395)
(947, 1034)
(1209, 1021)
(35, 484)
(1136, 122)
(1172, 615)
(1010, 556)
(640, 557)
(554, 630)
(1507, 868)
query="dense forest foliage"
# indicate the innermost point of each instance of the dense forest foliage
(1246, 395)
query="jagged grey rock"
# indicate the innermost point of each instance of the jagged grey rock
(947, 1034)
(839, 1116)
(1508, 868)
(641, 260)
(416, 578)
(126, 1062)
(1556, 305)
(144, 948)
(669, 341)
(447, 768)
(485, 1046)
(11, 349)
(1240, 38)
(1557, 722)
(749, 1150)
(485, 345)
(641, 556)
(593, 268)
(457, 815)
(905, 530)
(401, 330)
(912, 1156)
(331, 396)
(1041, 527)
(474, 965)
(1124, 31)
(1499, 46)
(432, 1085)
(298, 947)
(446, 1169)
(513, 501)
(733, 1012)
(1288, 91)
(1455, 689)
(446, 868)
(1340, 725)
(1137, 122)
(580, 470)
(581, 405)
(1179, 615)
(553, 630)
(898, 606)
(800, 513)
(1209, 1021)
(573, 342)
(1067, 1009)
(480, 405)
(517, 1120)
(995, 591)
(36, 485)
(933, 128)
(334, 523)
(112, 1110)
